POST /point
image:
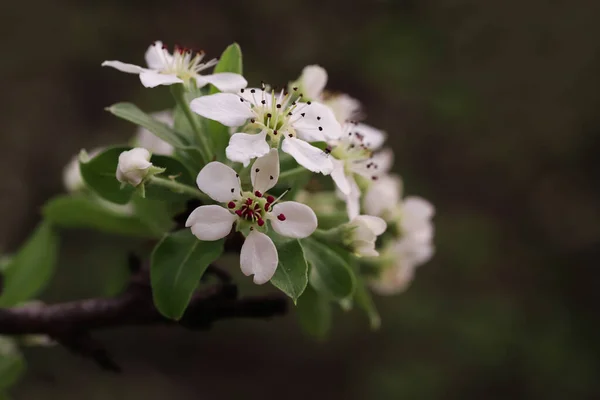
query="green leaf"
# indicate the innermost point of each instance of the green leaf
(364, 300)
(99, 174)
(230, 61)
(175, 169)
(178, 262)
(79, 211)
(131, 113)
(291, 275)
(314, 313)
(31, 268)
(12, 363)
(330, 273)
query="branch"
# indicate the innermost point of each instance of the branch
(70, 323)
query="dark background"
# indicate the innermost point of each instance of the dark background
(492, 108)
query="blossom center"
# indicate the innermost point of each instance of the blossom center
(184, 62)
(252, 208)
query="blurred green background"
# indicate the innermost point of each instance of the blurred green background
(492, 108)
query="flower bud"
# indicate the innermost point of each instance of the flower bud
(361, 234)
(134, 166)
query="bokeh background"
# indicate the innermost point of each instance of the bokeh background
(493, 110)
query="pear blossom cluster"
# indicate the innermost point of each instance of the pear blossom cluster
(324, 134)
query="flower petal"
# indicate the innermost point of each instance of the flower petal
(313, 81)
(152, 79)
(339, 176)
(383, 195)
(265, 171)
(219, 181)
(373, 138)
(384, 159)
(259, 257)
(124, 67)
(352, 199)
(157, 57)
(300, 220)
(374, 224)
(226, 108)
(344, 107)
(243, 147)
(316, 119)
(210, 222)
(224, 81)
(310, 157)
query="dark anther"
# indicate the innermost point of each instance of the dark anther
(290, 135)
(320, 128)
(263, 102)
(256, 170)
(295, 88)
(275, 132)
(232, 190)
(303, 114)
(241, 90)
(269, 115)
(252, 91)
(278, 106)
(271, 177)
(308, 103)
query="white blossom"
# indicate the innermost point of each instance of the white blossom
(312, 83)
(412, 249)
(148, 140)
(353, 155)
(273, 118)
(249, 211)
(134, 165)
(363, 231)
(182, 66)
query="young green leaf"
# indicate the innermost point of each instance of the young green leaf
(314, 313)
(84, 212)
(174, 170)
(12, 363)
(99, 174)
(291, 275)
(31, 268)
(330, 274)
(177, 264)
(364, 300)
(131, 113)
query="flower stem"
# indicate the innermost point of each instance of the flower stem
(178, 187)
(292, 173)
(178, 92)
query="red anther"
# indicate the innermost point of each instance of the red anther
(281, 217)
(258, 194)
(248, 201)
(260, 222)
(238, 212)
(231, 204)
(256, 206)
(267, 206)
(270, 199)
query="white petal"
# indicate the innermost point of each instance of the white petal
(317, 119)
(365, 249)
(383, 195)
(243, 147)
(210, 222)
(256, 96)
(265, 171)
(344, 107)
(339, 176)
(219, 181)
(224, 81)
(157, 58)
(353, 199)
(372, 138)
(418, 207)
(384, 159)
(300, 220)
(226, 108)
(374, 224)
(124, 67)
(313, 81)
(310, 157)
(259, 257)
(152, 79)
